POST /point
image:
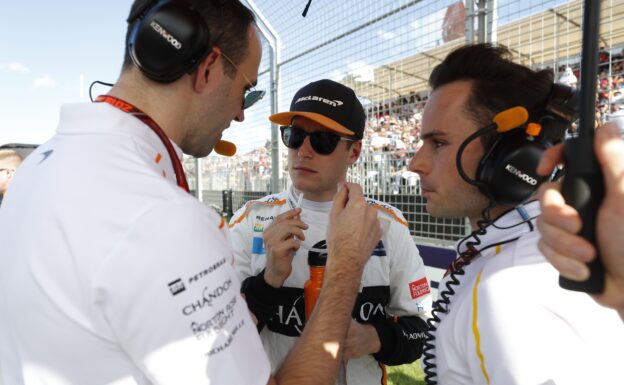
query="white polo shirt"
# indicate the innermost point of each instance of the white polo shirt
(112, 274)
(510, 323)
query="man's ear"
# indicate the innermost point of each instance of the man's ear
(354, 152)
(207, 68)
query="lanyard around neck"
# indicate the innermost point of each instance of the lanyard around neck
(143, 117)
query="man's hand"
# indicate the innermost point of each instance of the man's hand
(352, 233)
(362, 339)
(560, 223)
(281, 241)
(353, 230)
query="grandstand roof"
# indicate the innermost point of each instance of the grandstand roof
(548, 38)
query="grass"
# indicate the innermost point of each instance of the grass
(409, 374)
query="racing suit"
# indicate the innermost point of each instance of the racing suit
(394, 295)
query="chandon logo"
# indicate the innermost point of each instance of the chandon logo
(525, 177)
(208, 296)
(169, 37)
(333, 103)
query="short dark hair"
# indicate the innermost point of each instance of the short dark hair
(497, 82)
(227, 20)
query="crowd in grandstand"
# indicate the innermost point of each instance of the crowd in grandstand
(392, 135)
(610, 85)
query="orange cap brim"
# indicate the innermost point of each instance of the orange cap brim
(285, 119)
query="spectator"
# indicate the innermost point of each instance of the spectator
(617, 116)
(604, 59)
(568, 78)
(9, 162)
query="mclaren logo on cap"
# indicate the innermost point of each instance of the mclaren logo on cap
(166, 35)
(333, 103)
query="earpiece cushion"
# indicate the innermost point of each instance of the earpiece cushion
(168, 41)
(507, 171)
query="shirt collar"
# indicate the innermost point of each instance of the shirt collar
(508, 227)
(104, 118)
(293, 201)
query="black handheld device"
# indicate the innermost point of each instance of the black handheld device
(583, 185)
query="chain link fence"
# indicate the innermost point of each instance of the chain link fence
(385, 51)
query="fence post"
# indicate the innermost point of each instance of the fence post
(199, 189)
(227, 204)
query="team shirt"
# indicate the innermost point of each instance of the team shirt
(112, 274)
(510, 323)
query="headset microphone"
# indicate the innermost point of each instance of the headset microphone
(510, 118)
(583, 185)
(225, 148)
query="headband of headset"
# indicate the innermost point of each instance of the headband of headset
(167, 39)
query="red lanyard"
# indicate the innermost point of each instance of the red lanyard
(142, 116)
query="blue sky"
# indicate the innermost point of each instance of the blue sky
(47, 46)
(52, 50)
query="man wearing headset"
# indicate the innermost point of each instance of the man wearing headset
(501, 317)
(110, 271)
(560, 223)
(275, 236)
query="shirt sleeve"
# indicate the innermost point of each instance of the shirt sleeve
(171, 297)
(403, 334)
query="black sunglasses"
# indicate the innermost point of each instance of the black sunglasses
(251, 97)
(322, 142)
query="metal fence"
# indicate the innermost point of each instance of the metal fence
(382, 174)
(385, 51)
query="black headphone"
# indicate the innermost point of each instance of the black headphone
(167, 39)
(507, 172)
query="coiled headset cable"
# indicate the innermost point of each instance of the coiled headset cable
(441, 305)
(456, 270)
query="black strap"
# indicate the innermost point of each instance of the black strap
(401, 339)
(262, 298)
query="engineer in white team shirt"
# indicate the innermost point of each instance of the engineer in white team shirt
(110, 272)
(503, 319)
(274, 236)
